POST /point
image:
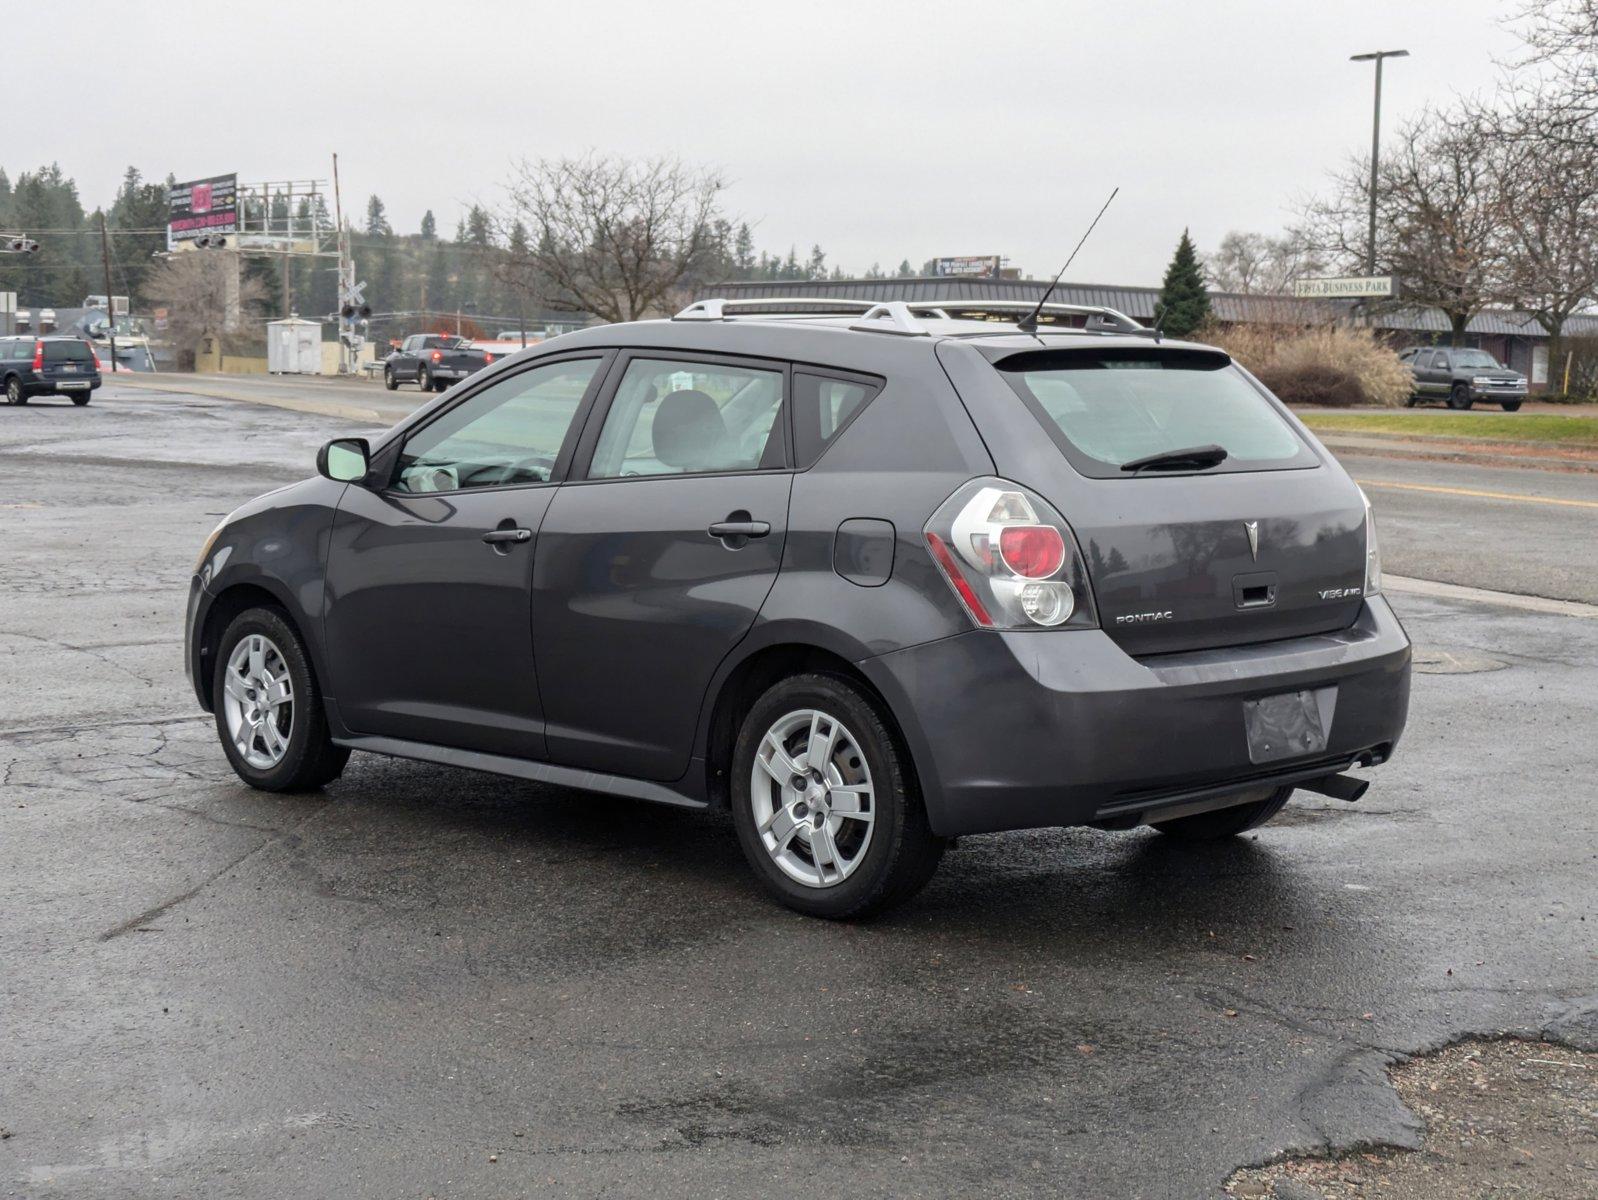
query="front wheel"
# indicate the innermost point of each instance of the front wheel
(268, 709)
(1223, 823)
(1459, 398)
(826, 803)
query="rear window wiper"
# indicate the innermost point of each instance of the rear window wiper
(1198, 458)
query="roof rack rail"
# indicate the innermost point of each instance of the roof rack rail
(719, 309)
(891, 316)
(1101, 317)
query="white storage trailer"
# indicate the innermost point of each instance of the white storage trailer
(294, 346)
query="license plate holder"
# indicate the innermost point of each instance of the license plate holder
(1286, 725)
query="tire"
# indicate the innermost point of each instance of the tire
(1459, 398)
(308, 758)
(80, 401)
(1512, 405)
(14, 392)
(1411, 401)
(424, 379)
(389, 381)
(1223, 823)
(894, 854)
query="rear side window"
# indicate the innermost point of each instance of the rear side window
(822, 406)
(1104, 408)
(68, 350)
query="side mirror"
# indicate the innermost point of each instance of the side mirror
(345, 460)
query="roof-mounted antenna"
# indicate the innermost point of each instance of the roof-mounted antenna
(1159, 320)
(1029, 323)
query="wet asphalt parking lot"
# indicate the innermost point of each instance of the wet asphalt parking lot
(427, 982)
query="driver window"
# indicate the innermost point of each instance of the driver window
(673, 417)
(508, 433)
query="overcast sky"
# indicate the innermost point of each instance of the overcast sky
(882, 130)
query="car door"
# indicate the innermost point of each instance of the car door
(655, 562)
(428, 623)
(1439, 380)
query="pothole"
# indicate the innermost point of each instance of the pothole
(1433, 660)
(1503, 1118)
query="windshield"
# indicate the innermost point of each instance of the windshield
(1108, 407)
(1475, 358)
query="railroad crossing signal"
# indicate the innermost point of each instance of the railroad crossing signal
(16, 243)
(210, 241)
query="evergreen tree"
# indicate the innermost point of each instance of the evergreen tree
(1184, 302)
(429, 226)
(817, 267)
(743, 252)
(904, 271)
(377, 219)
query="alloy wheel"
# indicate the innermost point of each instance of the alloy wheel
(258, 701)
(812, 797)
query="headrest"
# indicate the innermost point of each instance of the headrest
(688, 430)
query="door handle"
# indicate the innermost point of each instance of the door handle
(739, 529)
(495, 537)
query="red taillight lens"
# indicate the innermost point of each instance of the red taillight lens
(1032, 551)
(957, 580)
(38, 356)
(98, 365)
(487, 358)
(438, 355)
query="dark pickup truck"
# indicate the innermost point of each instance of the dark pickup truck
(1460, 377)
(433, 361)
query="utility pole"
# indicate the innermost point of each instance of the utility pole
(110, 300)
(1375, 56)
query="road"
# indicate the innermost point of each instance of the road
(426, 982)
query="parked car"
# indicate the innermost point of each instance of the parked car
(44, 366)
(433, 361)
(873, 581)
(1460, 377)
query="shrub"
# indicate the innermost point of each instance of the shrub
(1330, 364)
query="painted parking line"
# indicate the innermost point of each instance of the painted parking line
(1519, 497)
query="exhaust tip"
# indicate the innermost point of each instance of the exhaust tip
(1338, 787)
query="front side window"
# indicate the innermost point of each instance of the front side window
(511, 432)
(1108, 408)
(1439, 361)
(678, 417)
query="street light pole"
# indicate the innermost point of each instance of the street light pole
(1375, 56)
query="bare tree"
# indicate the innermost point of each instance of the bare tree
(1557, 80)
(1440, 212)
(611, 237)
(204, 294)
(1258, 264)
(1549, 256)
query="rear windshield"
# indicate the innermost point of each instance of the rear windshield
(70, 350)
(1108, 407)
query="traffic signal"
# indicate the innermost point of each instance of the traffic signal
(210, 241)
(350, 311)
(17, 244)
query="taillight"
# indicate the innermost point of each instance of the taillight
(38, 356)
(438, 355)
(1010, 558)
(487, 358)
(98, 365)
(1373, 552)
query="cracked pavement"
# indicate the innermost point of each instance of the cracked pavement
(427, 982)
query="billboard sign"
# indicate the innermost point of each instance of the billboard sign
(1344, 287)
(202, 206)
(969, 264)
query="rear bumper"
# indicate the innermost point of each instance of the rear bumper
(1024, 730)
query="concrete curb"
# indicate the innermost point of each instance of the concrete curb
(1373, 447)
(1471, 595)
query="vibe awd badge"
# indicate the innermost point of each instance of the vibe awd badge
(1338, 593)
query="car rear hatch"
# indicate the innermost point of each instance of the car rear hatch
(67, 361)
(1269, 543)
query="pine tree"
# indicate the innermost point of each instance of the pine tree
(817, 267)
(429, 226)
(377, 219)
(904, 271)
(743, 251)
(1184, 302)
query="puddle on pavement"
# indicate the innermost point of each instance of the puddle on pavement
(1434, 660)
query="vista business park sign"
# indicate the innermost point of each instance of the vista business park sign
(202, 206)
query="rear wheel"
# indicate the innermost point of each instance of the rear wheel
(1460, 397)
(1227, 822)
(1411, 401)
(14, 392)
(1511, 405)
(389, 381)
(424, 379)
(268, 709)
(826, 804)
(80, 399)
